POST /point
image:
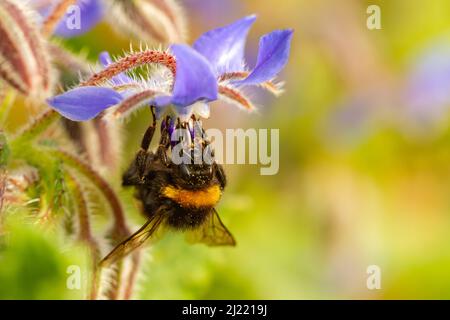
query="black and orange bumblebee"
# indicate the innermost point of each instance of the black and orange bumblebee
(180, 197)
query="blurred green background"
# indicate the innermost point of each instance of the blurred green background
(364, 173)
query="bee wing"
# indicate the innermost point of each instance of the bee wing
(134, 241)
(212, 232)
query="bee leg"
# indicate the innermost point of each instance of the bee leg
(164, 143)
(131, 176)
(138, 169)
(135, 174)
(148, 136)
(220, 174)
(141, 157)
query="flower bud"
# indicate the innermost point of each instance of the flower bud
(150, 20)
(24, 63)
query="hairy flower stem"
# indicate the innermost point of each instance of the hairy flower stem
(67, 60)
(109, 143)
(270, 86)
(129, 104)
(235, 96)
(50, 172)
(160, 21)
(238, 75)
(132, 276)
(23, 53)
(38, 126)
(132, 61)
(119, 231)
(120, 228)
(84, 231)
(113, 292)
(55, 16)
(174, 15)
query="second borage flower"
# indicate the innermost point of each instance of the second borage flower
(213, 68)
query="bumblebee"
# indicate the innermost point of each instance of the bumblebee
(180, 197)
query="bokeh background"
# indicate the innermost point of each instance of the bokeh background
(364, 173)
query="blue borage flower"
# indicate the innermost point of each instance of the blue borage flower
(194, 82)
(213, 68)
(224, 49)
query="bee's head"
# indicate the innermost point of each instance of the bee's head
(194, 175)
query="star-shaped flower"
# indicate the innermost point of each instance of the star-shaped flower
(194, 82)
(224, 48)
(214, 68)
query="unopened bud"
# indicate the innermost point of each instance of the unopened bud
(24, 63)
(150, 20)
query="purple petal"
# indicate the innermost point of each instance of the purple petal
(427, 91)
(171, 129)
(195, 79)
(84, 16)
(273, 55)
(105, 60)
(224, 47)
(162, 101)
(84, 103)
